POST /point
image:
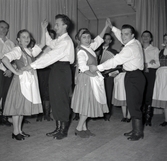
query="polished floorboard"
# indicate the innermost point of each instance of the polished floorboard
(109, 144)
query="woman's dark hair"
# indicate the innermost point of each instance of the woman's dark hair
(2, 21)
(126, 26)
(81, 32)
(164, 35)
(32, 40)
(151, 35)
(65, 19)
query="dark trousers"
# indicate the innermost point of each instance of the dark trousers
(134, 87)
(43, 77)
(150, 80)
(60, 81)
(4, 86)
(109, 83)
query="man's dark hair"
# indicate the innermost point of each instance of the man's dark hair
(151, 35)
(126, 26)
(65, 19)
(52, 32)
(107, 34)
(2, 21)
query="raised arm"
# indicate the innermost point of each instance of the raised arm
(107, 24)
(44, 25)
(116, 31)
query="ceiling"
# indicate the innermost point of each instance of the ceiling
(100, 9)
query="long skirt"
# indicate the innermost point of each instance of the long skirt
(160, 88)
(84, 101)
(17, 104)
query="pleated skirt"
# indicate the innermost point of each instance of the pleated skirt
(84, 101)
(17, 104)
(159, 98)
(119, 95)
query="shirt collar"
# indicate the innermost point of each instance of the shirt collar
(148, 47)
(2, 39)
(131, 41)
(105, 47)
(85, 47)
(62, 36)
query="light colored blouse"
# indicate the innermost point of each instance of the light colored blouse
(83, 57)
(16, 53)
(151, 53)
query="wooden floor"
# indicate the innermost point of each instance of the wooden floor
(109, 144)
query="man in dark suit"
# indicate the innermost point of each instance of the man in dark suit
(106, 52)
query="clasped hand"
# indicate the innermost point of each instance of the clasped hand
(93, 68)
(26, 68)
(152, 62)
(44, 24)
(108, 23)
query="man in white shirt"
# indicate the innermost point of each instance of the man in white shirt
(151, 61)
(60, 79)
(131, 57)
(5, 75)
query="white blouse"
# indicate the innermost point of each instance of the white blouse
(82, 55)
(16, 53)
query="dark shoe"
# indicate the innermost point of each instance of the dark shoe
(124, 120)
(81, 134)
(135, 137)
(24, 134)
(60, 136)
(63, 131)
(7, 123)
(48, 118)
(128, 133)
(89, 133)
(17, 137)
(39, 117)
(163, 124)
(76, 117)
(26, 121)
(107, 116)
(46, 109)
(137, 130)
(53, 133)
(148, 115)
(128, 120)
(4, 121)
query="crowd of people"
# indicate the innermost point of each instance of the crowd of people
(133, 78)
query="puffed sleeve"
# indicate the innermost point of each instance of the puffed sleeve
(96, 43)
(14, 54)
(82, 61)
(36, 50)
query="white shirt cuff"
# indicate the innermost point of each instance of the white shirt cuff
(114, 29)
(100, 68)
